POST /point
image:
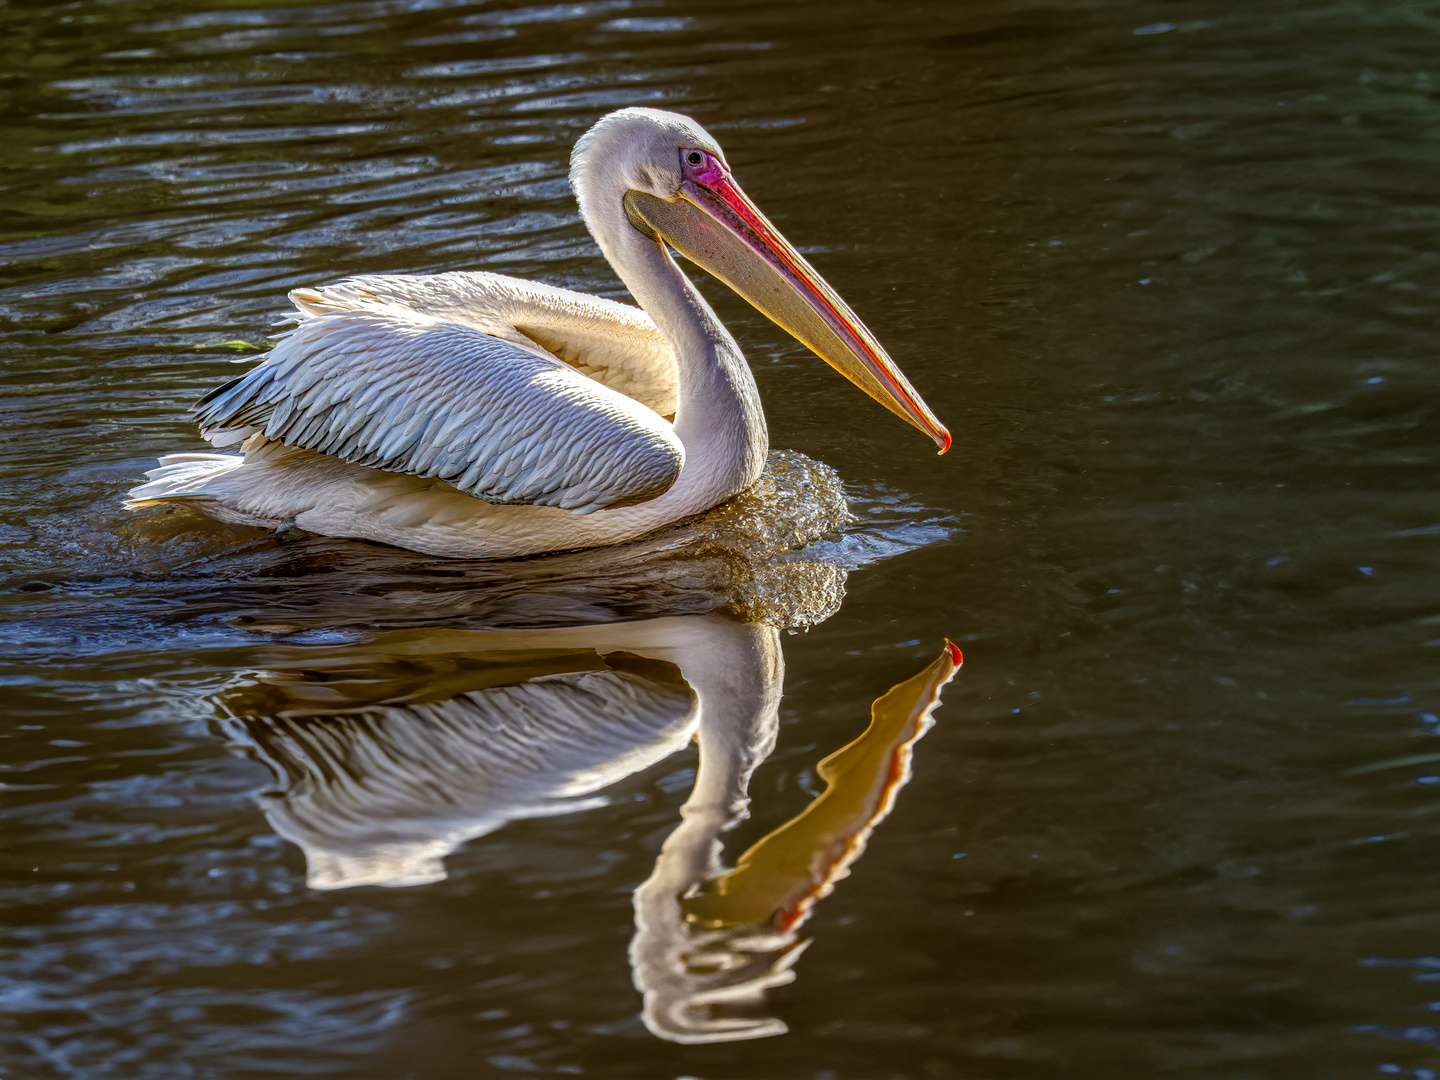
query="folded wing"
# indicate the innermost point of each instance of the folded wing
(404, 393)
(612, 343)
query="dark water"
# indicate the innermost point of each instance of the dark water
(1170, 273)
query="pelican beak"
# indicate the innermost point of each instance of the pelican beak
(713, 224)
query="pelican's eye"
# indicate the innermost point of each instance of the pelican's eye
(701, 166)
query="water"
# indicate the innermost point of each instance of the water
(1168, 272)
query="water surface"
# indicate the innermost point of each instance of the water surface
(1170, 274)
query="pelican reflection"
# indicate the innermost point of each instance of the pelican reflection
(393, 750)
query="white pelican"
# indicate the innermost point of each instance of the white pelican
(479, 416)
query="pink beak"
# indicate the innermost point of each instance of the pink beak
(714, 224)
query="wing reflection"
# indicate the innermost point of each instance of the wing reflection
(394, 750)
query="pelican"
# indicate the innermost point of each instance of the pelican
(474, 415)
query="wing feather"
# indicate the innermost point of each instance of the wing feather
(613, 343)
(403, 393)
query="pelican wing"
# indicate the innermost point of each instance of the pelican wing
(613, 343)
(403, 393)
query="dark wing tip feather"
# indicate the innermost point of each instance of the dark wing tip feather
(223, 388)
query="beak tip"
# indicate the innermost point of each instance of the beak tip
(942, 440)
(956, 656)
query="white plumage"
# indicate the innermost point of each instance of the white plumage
(475, 415)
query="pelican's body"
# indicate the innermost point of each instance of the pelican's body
(475, 415)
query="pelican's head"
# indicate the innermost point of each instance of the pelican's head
(677, 189)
